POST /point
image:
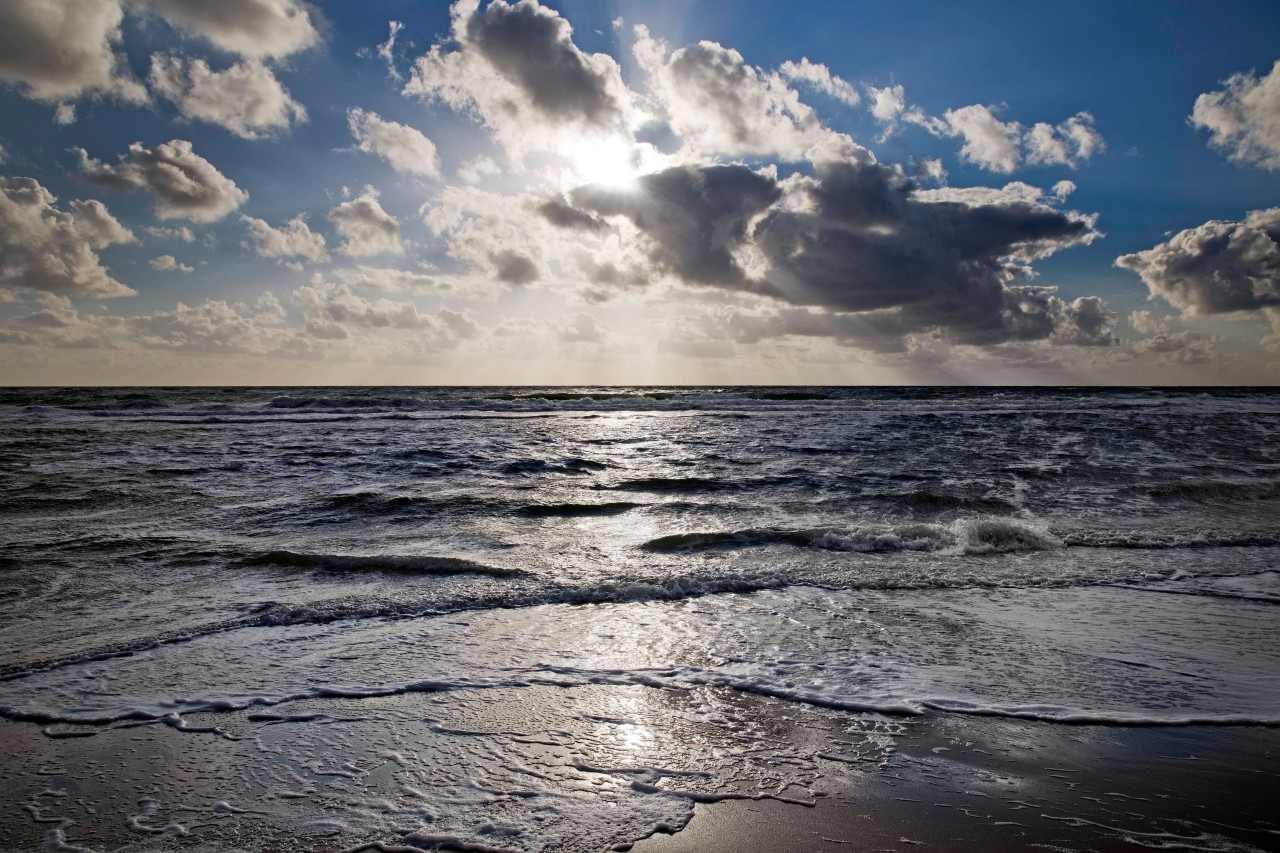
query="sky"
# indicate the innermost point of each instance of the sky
(623, 192)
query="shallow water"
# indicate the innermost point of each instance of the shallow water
(234, 555)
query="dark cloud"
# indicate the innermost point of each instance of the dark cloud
(857, 238)
(1216, 268)
(182, 183)
(532, 47)
(511, 267)
(564, 215)
(696, 216)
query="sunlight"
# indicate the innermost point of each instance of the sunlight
(611, 161)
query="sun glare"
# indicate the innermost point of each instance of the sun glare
(611, 161)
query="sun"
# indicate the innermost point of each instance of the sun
(610, 161)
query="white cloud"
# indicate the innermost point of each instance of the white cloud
(387, 49)
(719, 104)
(294, 240)
(182, 184)
(1068, 144)
(65, 49)
(260, 29)
(394, 280)
(477, 169)
(405, 148)
(168, 263)
(246, 98)
(65, 114)
(332, 310)
(367, 229)
(181, 233)
(887, 103)
(820, 77)
(1243, 118)
(43, 248)
(988, 142)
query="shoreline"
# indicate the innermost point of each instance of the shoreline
(994, 784)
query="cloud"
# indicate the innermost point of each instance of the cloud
(515, 66)
(1219, 267)
(259, 29)
(1068, 144)
(168, 263)
(719, 104)
(331, 310)
(476, 169)
(294, 240)
(818, 76)
(65, 49)
(215, 326)
(1243, 118)
(394, 280)
(367, 229)
(182, 184)
(65, 115)
(858, 239)
(887, 103)
(405, 148)
(246, 98)
(387, 49)
(97, 226)
(43, 248)
(988, 142)
(181, 233)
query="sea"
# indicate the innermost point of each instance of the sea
(554, 618)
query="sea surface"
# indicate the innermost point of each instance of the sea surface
(399, 612)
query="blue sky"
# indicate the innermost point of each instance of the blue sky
(626, 192)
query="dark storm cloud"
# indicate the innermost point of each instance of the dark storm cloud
(564, 215)
(695, 216)
(856, 239)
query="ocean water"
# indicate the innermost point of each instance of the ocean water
(536, 619)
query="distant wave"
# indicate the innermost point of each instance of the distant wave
(571, 510)
(969, 537)
(380, 563)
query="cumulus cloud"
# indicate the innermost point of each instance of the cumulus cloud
(367, 229)
(516, 67)
(818, 76)
(394, 280)
(260, 29)
(182, 233)
(1068, 144)
(182, 184)
(65, 114)
(44, 248)
(168, 263)
(988, 142)
(333, 309)
(1243, 118)
(294, 240)
(887, 104)
(476, 169)
(246, 98)
(405, 148)
(860, 238)
(97, 226)
(719, 104)
(1216, 268)
(65, 49)
(215, 326)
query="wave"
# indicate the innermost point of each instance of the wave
(380, 563)
(572, 510)
(568, 465)
(1212, 490)
(971, 537)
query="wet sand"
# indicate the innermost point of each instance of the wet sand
(971, 783)
(943, 782)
